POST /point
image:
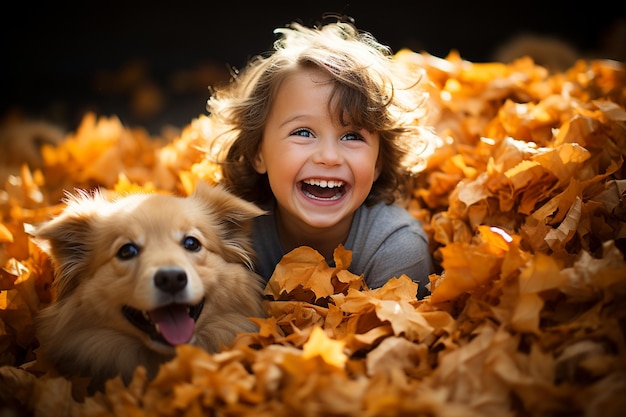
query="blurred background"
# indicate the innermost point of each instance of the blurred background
(151, 63)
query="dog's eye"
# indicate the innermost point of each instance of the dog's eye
(127, 251)
(191, 244)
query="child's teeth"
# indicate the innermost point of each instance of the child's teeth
(325, 183)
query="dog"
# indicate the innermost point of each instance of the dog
(139, 275)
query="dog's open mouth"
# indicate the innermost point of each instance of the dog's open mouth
(172, 324)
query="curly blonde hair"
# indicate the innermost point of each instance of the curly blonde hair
(367, 94)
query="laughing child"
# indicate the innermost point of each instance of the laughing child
(322, 133)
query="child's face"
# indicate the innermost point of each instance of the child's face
(320, 172)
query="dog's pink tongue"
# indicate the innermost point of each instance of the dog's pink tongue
(174, 322)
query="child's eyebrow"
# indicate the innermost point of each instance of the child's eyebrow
(295, 118)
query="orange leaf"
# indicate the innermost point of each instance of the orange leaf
(5, 234)
(526, 314)
(404, 319)
(305, 272)
(470, 265)
(303, 267)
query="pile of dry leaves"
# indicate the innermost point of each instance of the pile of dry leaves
(523, 200)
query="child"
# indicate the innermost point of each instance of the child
(319, 134)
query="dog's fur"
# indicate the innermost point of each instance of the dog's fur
(145, 252)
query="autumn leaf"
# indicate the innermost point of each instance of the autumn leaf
(404, 319)
(5, 234)
(468, 266)
(302, 268)
(319, 344)
(304, 271)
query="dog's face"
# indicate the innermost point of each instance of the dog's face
(149, 269)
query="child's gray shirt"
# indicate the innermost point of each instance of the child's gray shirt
(386, 241)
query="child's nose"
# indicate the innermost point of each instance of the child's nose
(328, 152)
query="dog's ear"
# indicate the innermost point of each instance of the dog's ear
(234, 215)
(66, 239)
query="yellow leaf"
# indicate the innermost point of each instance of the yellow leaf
(319, 344)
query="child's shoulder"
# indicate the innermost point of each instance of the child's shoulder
(388, 225)
(381, 213)
(383, 207)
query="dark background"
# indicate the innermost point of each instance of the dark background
(150, 64)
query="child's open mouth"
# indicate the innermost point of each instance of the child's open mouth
(323, 189)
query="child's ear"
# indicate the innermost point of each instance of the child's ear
(378, 169)
(259, 164)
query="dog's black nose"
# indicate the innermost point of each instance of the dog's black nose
(170, 279)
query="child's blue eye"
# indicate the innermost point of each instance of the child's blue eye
(127, 251)
(352, 136)
(302, 132)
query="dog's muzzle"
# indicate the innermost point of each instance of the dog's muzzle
(171, 324)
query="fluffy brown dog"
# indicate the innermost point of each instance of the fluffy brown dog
(137, 276)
